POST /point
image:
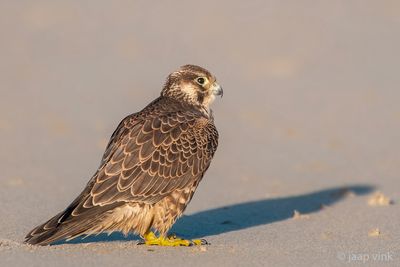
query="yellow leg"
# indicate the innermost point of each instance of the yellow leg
(172, 241)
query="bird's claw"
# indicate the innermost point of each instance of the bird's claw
(171, 241)
(200, 242)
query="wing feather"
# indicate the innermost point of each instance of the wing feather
(164, 153)
(150, 155)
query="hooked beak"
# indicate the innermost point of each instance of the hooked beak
(217, 89)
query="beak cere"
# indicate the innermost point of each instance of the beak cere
(217, 89)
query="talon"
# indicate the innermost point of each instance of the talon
(200, 242)
(204, 242)
(172, 236)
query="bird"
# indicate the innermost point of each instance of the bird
(150, 169)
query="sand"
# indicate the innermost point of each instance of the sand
(309, 125)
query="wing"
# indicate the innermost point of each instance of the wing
(148, 159)
(150, 155)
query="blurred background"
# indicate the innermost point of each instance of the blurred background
(311, 93)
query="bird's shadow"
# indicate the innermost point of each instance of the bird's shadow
(244, 215)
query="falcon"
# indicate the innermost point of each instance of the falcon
(151, 167)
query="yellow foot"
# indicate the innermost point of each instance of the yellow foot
(171, 241)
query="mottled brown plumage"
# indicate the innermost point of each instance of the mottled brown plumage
(151, 167)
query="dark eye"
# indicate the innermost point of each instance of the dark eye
(200, 80)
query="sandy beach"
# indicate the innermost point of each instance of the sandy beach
(307, 169)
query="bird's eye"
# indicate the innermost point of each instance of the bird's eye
(200, 80)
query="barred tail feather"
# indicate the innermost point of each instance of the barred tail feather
(53, 231)
(66, 226)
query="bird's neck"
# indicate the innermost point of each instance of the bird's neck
(204, 110)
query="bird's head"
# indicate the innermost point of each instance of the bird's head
(194, 85)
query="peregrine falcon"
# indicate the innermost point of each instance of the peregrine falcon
(151, 167)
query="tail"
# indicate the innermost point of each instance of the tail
(52, 231)
(67, 225)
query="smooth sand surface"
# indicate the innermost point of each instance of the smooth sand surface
(309, 125)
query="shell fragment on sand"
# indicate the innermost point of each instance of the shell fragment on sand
(374, 232)
(297, 215)
(379, 199)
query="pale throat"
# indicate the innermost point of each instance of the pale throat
(190, 91)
